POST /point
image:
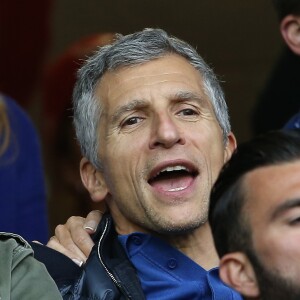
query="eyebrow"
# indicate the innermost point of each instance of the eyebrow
(187, 95)
(287, 205)
(133, 105)
(139, 103)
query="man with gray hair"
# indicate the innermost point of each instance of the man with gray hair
(154, 131)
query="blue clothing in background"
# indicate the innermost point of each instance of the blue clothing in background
(166, 273)
(22, 189)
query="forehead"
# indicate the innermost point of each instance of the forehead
(160, 76)
(268, 188)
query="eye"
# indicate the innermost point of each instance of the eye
(295, 221)
(131, 121)
(188, 112)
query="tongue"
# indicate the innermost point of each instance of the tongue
(172, 184)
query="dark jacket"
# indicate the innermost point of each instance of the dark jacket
(107, 274)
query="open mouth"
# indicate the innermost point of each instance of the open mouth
(173, 178)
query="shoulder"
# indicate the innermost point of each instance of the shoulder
(19, 270)
(13, 243)
(14, 250)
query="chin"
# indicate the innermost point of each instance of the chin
(179, 229)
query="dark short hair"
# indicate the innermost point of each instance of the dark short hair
(286, 7)
(229, 226)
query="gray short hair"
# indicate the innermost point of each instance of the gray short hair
(133, 49)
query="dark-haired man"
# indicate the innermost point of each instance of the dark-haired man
(255, 217)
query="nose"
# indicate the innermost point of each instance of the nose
(165, 132)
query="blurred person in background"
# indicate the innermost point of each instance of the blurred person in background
(67, 196)
(280, 98)
(24, 40)
(23, 204)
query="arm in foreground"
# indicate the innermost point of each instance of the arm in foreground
(21, 275)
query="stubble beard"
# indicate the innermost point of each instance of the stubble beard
(165, 226)
(271, 284)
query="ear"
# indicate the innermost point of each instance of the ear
(290, 30)
(237, 272)
(230, 146)
(93, 180)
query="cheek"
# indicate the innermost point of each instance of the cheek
(279, 250)
(211, 159)
(216, 165)
(119, 152)
(213, 151)
(123, 160)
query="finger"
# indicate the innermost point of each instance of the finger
(92, 220)
(37, 242)
(64, 237)
(54, 244)
(76, 235)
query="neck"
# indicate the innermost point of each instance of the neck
(197, 245)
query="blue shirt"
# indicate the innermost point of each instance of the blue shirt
(166, 273)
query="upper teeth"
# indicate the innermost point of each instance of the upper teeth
(173, 168)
